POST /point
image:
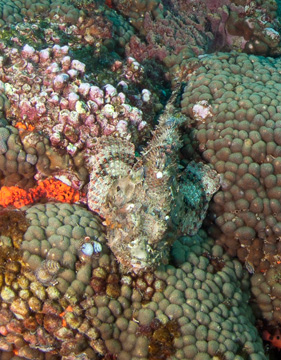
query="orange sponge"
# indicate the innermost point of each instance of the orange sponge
(51, 189)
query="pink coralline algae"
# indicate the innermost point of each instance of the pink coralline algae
(253, 26)
(179, 30)
(47, 89)
(167, 33)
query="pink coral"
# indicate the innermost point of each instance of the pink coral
(55, 99)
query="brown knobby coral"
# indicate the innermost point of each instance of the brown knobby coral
(239, 136)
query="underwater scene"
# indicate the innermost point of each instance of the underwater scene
(140, 179)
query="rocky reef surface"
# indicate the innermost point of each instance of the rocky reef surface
(119, 121)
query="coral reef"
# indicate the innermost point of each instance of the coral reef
(43, 271)
(53, 98)
(46, 105)
(13, 224)
(17, 166)
(189, 310)
(239, 136)
(16, 11)
(82, 84)
(167, 30)
(266, 296)
(27, 156)
(176, 31)
(253, 26)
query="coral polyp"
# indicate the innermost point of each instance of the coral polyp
(47, 272)
(161, 341)
(13, 224)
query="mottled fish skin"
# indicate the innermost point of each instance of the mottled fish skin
(113, 159)
(137, 197)
(133, 194)
(196, 186)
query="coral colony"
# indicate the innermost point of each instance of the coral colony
(140, 180)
